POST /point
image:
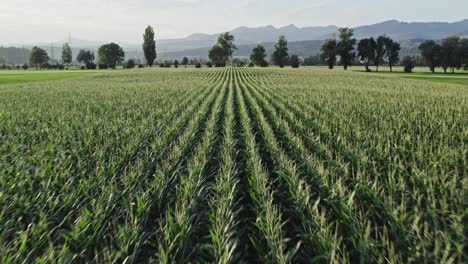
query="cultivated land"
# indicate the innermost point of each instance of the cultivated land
(231, 165)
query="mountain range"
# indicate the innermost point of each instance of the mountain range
(305, 40)
(392, 28)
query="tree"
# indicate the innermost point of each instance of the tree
(408, 64)
(38, 57)
(167, 64)
(450, 53)
(431, 53)
(366, 51)
(392, 49)
(258, 56)
(464, 52)
(67, 55)
(185, 61)
(217, 56)
(222, 51)
(176, 63)
(328, 52)
(130, 64)
(294, 60)
(111, 54)
(346, 46)
(312, 60)
(281, 52)
(380, 51)
(149, 46)
(86, 57)
(226, 41)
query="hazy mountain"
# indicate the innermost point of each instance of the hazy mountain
(303, 41)
(395, 29)
(416, 30)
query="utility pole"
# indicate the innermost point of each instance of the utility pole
(24, 55)
(51, 50)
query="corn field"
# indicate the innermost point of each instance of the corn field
(233, 165)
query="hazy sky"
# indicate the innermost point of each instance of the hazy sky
(28, 21)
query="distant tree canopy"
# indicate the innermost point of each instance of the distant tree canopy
(294, 61)
(392, 49)
(258, 56)
(408, 64)
(86, 57)
(38, 57)
(346, 47)
(313, 60)
(185, 61)
(222, 51)
(451, 54)
(130, 64)
(328, 52)
(430, 50)
(110, 54)
(149, 46)
(280, 54)
(384, 49)
(366, 51)
(379, 52)
(67, 54)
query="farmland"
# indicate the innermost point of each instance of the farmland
(233, 165)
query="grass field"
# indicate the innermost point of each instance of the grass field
(422, 73)
(8, 77)
(233, 165)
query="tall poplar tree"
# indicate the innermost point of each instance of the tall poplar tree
(149, 46)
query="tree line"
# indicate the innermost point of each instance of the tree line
(450, 54)
(370, 51)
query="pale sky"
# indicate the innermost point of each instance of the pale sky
(33, 21)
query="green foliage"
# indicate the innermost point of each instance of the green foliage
(258, 56)
(185, 61)
(294, 61)
(110, 54)
(345, 47)
(149, 46)
(408, 64)
(313, 60)
(451, 54)
(328, 52)
(380, 51)
(226, 41)
(222, 51)
(86, 57)
(392, 49)
(464, 52)
(367, 51)
(280, 54)
(430, 50)
(218, 56)
(130, 64)
(176, 63)
(38, 57)
(67, 54)
(232, 165)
